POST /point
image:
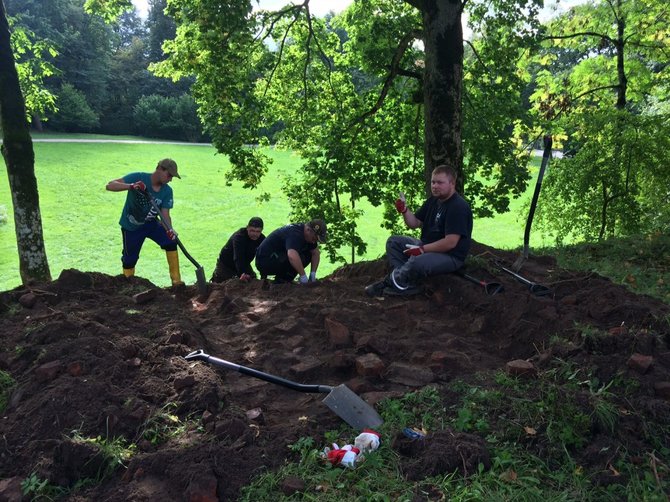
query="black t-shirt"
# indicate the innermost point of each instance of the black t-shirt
(453, 216)
(239, 252)
(284, 238)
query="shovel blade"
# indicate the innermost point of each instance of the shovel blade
(201, 281)
(352, 409)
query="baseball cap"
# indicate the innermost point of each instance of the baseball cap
(256, 222)
(319, 228)
(170, 166)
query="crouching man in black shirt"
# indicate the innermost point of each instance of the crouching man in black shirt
(287, 251)
(236, 256)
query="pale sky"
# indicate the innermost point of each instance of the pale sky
(322, 7)
(317, 7)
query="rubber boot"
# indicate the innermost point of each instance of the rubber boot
(129, 272)
(173, 264)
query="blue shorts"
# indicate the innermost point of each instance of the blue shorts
(133, 240)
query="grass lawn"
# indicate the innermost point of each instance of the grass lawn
(80, 217)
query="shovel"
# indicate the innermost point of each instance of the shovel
(199, 271)
(491, 288)
(535, 288)
(347, 405)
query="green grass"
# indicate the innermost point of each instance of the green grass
(80, 218)
(533, 440)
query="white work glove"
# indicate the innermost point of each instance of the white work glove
(312, 277)
(303, 279)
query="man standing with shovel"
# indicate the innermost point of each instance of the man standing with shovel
(139, 219)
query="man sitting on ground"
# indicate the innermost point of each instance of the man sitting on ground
(445, 220)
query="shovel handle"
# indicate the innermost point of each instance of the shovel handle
(200, 355)
(533, 287)
(491, 288)
(167, 227)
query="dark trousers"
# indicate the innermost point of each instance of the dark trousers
(134, 239)
(277, 264)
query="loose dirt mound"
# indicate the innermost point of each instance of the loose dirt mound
(92, 358)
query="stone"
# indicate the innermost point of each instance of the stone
(338, 333)
(145, 296)
(202, 488)
(305, 366)
(618, 330)
(520, 367)
(292, 485)
(48, 371)
(640, 363)
(10, 489)
(75, 369)
(662, 389)
(409, 374)
(28, 300)
(135, 362)
(184, 382)
(369, 365)
(340, 360)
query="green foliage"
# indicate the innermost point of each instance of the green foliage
(161, 117)
(163, 425)
(74, 113)
(6, 385)
(109, 10)
(520, 417)
(640, 262)
(348, 94)
(597, 89)
(40, 489)
(33, 67)
(115, 452)
(615, 184)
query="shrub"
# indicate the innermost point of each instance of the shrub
(74, 114)
(168, 118)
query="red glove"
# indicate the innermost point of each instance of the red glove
(345, 457)
(413, 250)
(139, 186)
(245, 278)
(171, 234)
(400, 206)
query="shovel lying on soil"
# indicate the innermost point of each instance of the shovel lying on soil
(199, 271)
(342, 400)
(491, 288)
(535, 288)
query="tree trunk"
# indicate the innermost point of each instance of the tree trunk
(442, 86)
(17, 149)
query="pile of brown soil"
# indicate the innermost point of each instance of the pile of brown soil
(103, 356)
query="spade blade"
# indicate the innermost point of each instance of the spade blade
(352, 409)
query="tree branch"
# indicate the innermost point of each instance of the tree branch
(595, 89)
(409, 73)
(416, 3)
(581, 34)
(394, 70)
(477, 55)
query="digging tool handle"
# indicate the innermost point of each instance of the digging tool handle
(167, 226)
(199, 355)
(491, 288)
(534, 287)
(536, 194)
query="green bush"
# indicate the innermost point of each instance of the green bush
(168, 118)
(74, 114)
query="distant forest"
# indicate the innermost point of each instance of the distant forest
(98, 73)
